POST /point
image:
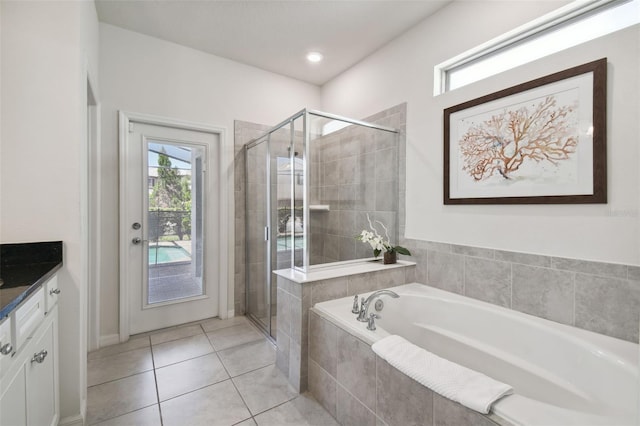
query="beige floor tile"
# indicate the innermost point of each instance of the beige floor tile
(117, 366)
(149, 416)
(180, 350)
(264, 388)
(120, 396)
(217, 323)
(229, 337)
(248, 422)
(136, 342)
(175, 333)
(301, 411)
(214, 405)
(183, 377)
(250, 356)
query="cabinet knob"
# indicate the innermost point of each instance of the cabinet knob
(39, 357)
(6, 349)
(54, 291)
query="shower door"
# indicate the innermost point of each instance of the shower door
(274, 222)
(257, 234)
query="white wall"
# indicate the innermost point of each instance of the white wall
(403, 71)
(148, 75)
(45, 58)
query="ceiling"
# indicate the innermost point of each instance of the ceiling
(274, 35)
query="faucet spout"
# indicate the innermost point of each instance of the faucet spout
(364, 312)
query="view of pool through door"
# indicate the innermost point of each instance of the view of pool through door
(171, 226)
(174, 226)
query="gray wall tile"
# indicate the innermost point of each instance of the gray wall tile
(328, 289)
(634, 273)
(543, 292)
(446, 271)
(473, 251)
(323, 343)
(450, 413)
(488, 280)
(356, 367)
(523, 258)
(350, 411)
(588, 267)
(608, 306)
(400, 399)
(323, 387)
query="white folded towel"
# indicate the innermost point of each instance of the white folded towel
(453, 381)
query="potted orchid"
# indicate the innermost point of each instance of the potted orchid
(379, 244)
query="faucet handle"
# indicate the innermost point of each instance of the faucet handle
(362, 315)
(355, 309)
(371, 323)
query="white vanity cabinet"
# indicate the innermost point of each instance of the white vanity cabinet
(29, 379)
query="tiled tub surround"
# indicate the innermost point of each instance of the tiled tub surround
(298, 292)
(561, 375)
(358, 387)
(595, 296)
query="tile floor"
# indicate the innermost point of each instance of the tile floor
(214, 372)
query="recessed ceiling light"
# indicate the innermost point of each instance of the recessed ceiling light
(314, 57)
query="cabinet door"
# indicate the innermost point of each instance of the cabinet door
(41, 382)
(13, 410)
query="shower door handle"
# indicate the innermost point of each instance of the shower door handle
(266, 233)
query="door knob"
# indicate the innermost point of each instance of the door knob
(137, 240)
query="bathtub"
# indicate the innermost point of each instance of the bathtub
(561, 375)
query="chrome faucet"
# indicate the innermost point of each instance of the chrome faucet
(363, 316)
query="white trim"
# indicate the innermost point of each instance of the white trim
(124, 118)
(94, 216)
(562, 14)
(231, 313)
(109, 339)
(72, 420)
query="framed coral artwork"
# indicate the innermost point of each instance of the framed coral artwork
(540, 142)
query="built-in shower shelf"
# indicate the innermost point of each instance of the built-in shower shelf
(319, 207)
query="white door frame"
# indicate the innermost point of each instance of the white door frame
(124, 118)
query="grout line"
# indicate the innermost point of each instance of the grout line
(155, 378)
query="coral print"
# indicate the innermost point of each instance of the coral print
(540, 132)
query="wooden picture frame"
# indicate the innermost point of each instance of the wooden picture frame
(540, 142)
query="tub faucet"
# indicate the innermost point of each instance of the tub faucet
(364, 311)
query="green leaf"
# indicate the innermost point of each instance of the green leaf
(402, 250)
(376, 253)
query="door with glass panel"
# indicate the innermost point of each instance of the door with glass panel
(171, 217)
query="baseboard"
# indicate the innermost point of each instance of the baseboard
(231, 313)
(72, 420)
(109, 339)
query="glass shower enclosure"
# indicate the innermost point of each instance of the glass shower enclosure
(313, 183)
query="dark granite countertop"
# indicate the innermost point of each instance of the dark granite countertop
(24, 268)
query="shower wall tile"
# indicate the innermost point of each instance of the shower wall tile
(608, 306)
(386, 196)
(488, 280)
(588, 267)
(544, 292)
(347, 248)
(386, 164)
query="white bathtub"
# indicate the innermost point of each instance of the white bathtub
(561, 375)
